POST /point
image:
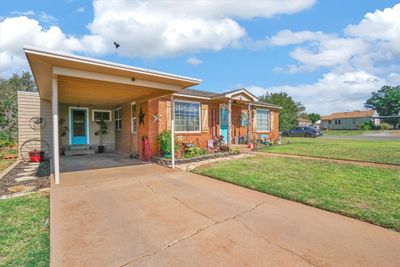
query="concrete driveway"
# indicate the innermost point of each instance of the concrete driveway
(147, 215)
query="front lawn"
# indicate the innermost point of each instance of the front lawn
(344, 132)
(24, 233)
(367, 193)
(382, 151)
(4, 163)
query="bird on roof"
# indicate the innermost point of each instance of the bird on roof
(116, 45)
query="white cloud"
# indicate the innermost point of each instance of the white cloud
(43, 16)
(362, 60)
(288, 37)
(194, 61)
(144, 28)
(19, 31)
(23, 13)
(333, 92)
(80, 10)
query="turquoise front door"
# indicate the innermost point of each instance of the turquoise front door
(223, 122)
(79, 127)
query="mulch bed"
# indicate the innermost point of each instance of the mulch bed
(9, 186)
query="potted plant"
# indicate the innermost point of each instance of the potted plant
(63, 130)
(36, 155)
(164, 139)
(100, 132)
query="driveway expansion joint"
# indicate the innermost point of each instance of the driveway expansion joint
(180, 201)
(192, 234)
(275, 245)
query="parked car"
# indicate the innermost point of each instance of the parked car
(304, 131)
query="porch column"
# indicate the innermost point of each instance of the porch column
(229, 122)
(54, 106)
(172, 132)
(248, 123)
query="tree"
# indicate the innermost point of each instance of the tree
(290, 112)
(8, 103)
(386, 102)
(314, 117)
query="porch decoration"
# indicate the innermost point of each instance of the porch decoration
(100, 132)
(157, 117)
(34, 149)
(141, 116)
(244, 119)
(145, 154)
(37, 123)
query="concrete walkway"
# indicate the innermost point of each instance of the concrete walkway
(147, 215)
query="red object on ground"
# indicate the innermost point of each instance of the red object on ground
(36, 156)
(251, 145)
(145, 153)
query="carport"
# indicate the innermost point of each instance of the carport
(84, 82)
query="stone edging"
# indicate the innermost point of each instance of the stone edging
(167, 162)
(193, 165)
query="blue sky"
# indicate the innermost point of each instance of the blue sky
(329, 54)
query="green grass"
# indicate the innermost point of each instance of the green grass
(382, 151)
(24, 237)
(343, 132)
(5, 163)
(367, 193)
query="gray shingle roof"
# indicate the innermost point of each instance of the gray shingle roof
(207, 94)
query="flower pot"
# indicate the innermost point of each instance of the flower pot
(36, 156)
(100, 149)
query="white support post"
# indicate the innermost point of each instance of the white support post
(56, 153)
(248, 123)
(172, 132)
(229, 122)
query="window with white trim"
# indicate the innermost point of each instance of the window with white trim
(117, 116)
(187, 116)
(133, 117)
(101, 115)
(262, 120)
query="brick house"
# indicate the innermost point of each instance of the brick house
(75, 93)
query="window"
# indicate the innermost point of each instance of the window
(133, 117)
(262, 120)
(187, 116)
(117, 115)
(101, 115)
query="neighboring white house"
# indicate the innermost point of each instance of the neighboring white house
(349, 120)
(303, 122)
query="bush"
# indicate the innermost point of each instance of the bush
(164, 139)
(366, 126)
(385, 126)
(194, 151)
(5, 141)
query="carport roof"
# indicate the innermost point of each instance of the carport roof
(44, 63)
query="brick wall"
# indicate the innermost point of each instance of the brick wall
(128, 142)
(123, 136)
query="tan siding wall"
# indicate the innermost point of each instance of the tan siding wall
(30, 105)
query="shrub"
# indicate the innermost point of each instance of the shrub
(385, 126)
(366, 126)
(194, 151)
(164, 139)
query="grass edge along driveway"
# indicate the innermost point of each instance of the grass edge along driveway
(380, 151)
(367, 193)
(24, 234)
